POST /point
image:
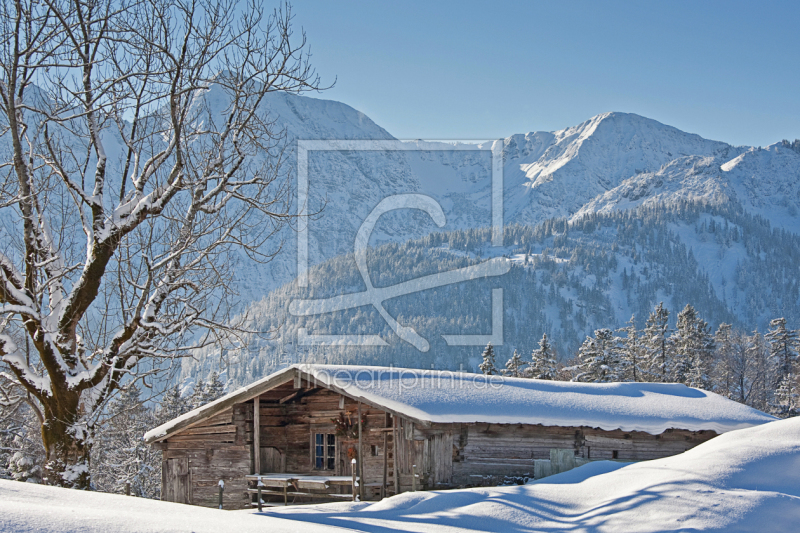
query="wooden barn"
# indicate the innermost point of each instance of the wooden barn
(421, 430)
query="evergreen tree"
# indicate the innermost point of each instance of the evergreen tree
(723, 368)
(214, 388)
(693, 349)
(488, 364)
(22, 455)
(761, 391)
(121, 455)
(631, 353)
(172, 405)
(543, 363)
(783, 349)
(657, 346)
(599, 358)
(514, 366)
(786, 403)
(198, 396)
(21, 447)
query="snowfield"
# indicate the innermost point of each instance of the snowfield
(25, 507)
(745, 480)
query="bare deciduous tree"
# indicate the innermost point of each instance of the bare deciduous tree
(138, 163)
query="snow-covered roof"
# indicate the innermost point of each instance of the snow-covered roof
(431, 396)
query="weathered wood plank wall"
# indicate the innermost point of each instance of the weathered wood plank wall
(196, 459)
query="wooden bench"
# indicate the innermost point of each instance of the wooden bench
(301, 485)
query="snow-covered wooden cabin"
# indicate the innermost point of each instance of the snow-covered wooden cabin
(452, 429)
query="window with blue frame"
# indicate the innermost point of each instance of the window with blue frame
(324, 451)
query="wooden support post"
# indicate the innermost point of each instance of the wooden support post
(413, 478)
(360, 457)
(127, 488)
(395, 468)
(259, 495)
(221, 489)
(355, 483)
(285, 493)
(256, 435)
(385, 465)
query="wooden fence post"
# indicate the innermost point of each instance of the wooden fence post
(413, 478)
(221, 489)
(259, 494)
(256, 435)
(355, 483)
(127, 488)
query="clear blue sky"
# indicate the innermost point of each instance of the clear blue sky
(728, 71)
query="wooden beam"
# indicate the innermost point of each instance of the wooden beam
(256, 435)
(385, 482)
(296, 394)
(394, 456)
(360, 457)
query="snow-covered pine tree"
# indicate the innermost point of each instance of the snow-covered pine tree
(214, 388)
(22, 448)
(172, 405)
(488, 364)
(760, 394)
(21, 452)
(543, 363)
(786, 403)
(599, 358)
(198, 394)
(514, 366)
(631, 353)
(656, 346)
(783, 349)
(694, 347)
(724, 368)
(120, 455)
(735, 374)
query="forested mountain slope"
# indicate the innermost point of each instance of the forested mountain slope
(567, 278)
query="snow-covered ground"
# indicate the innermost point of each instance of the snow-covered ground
(25, 507)
(745, 480)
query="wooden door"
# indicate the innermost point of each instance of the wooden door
(175, 483)
(441, 459)
(272, 460)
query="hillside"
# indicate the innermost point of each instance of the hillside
(566, 279)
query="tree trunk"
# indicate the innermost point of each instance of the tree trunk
(67, 443)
